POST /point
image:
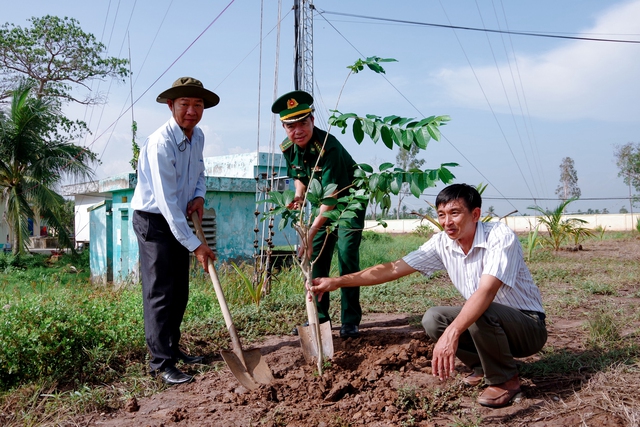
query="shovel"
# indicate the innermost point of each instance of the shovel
(316, 339)
(247, 366)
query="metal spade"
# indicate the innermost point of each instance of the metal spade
(248, 366)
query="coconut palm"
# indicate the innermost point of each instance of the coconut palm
(560, 230)
(34, 158)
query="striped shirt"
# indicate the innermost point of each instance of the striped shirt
(495, 251)
(170, 175)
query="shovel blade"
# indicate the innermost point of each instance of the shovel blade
(255, 372)
(308, 342)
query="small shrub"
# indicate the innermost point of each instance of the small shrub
(408, 398)
(424, 230)
(68, 337)
(532, 243)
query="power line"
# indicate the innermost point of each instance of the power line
(416, 108)
(164, 72)
(487, 30)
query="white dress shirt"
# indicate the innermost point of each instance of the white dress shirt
(170, 175)
(495, 251)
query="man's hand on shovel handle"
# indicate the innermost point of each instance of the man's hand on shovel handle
(196, 205)
(320, 285)
(203, 253)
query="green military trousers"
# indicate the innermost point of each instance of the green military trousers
(348, 242)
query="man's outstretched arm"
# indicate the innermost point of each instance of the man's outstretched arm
(381, 273)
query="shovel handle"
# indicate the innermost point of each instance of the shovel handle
(312, 314)
(237, 347)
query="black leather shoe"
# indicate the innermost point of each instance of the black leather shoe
(189, 360)
(174, 376)
(349, 331)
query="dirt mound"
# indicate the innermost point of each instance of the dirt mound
(381, 379)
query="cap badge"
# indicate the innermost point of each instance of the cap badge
(292, 103)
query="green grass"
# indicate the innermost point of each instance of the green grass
(51, 312)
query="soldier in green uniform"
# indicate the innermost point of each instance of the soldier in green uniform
(310, 151)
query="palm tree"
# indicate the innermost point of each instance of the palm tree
(34, 157)
(559, 230)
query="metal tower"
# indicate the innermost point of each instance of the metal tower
(303, 45)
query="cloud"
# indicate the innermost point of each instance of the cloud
(576, 80)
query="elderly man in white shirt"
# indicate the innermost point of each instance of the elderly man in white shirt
(502, 317)
(171, 186)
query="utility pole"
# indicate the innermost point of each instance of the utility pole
(303, 45)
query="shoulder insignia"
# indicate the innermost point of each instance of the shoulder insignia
(286, 145)
(319, 148)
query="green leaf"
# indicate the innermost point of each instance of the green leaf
(387, 137)
(333, 215)
(275, 198)
(315, 188)
(377, 132)
(344, 117)
(397, 136)
(330, 201)
(348, 214)
(359, 173)
(396, 184)
(376, 67)
(373, 181)
(287, 197)
(369, 128)
(423, 122)
(358, 133)
(283, 223)
(365, 167)
(385, 166)
(418, 183)
(407, 139)
(329, 190)
(389, 119)
(434, 132)
(419, 139)
(445, 175)
(385, 203)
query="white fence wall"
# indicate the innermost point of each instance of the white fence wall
(520, 224)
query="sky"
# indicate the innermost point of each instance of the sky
(518, 104)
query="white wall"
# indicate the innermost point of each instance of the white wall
(82, 204)
(520, 224)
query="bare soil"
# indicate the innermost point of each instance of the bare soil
(384, 378)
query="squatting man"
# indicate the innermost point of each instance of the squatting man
(502, 317)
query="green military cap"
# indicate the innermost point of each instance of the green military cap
(293, 106)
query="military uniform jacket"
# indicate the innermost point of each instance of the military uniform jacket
(335, 164)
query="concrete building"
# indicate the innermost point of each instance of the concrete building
(103, 214)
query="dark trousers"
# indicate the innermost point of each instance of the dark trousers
(491, 343)
(164, 267)
(348, 240)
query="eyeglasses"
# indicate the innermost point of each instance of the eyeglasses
(183, 144)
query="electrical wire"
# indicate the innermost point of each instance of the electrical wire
(458, 27)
